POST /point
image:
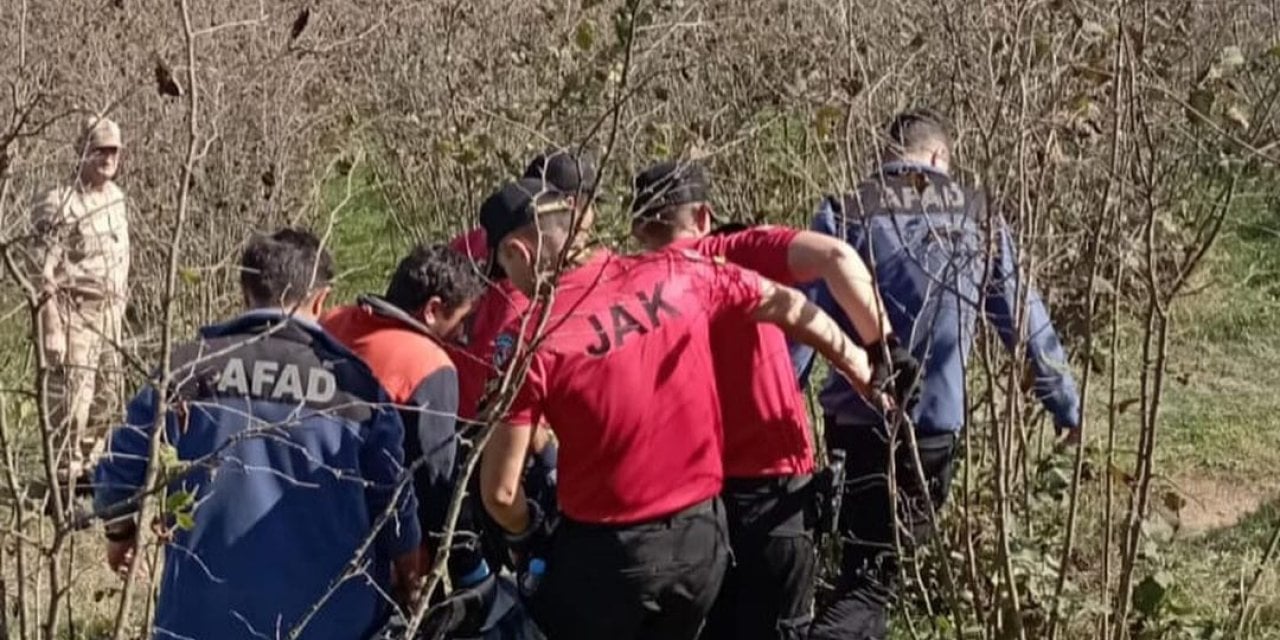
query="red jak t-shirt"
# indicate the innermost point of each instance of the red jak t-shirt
(625, 377)
(766, 428)
(501, 305)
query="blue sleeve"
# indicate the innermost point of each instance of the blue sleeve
(1054, 385)
(382, 460)
(802, 355)
(434, 419)
(123, 470)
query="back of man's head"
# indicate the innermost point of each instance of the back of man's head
(433, 271)
(284, 269)
(917, 133)
(671, 199)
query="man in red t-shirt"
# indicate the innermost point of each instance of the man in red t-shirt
(768, 448)
(561, 170)
(622, 370)
(501, 305)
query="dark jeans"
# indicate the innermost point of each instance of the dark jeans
(768, 588)
(650, 581)
(869, 564)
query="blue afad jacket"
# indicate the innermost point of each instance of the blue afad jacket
(939, 261)
(295, 457)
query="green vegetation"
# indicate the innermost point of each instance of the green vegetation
(365, 238)
(1221, 447)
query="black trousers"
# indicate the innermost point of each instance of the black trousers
(869, 566)
(768, 588)
(650, 581)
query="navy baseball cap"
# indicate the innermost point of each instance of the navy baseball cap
(516, 204)
(568, 172)
(667, 184)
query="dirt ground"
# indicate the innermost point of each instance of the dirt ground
(1217, 502)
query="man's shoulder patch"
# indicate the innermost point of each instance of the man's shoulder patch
(503, 347)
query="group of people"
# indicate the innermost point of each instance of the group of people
(648, 467)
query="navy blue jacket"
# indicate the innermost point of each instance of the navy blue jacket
(939, 262)
(295, 454)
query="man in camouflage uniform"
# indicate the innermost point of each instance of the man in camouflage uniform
(82, 262)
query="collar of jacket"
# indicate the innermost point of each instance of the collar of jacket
(906, 166)
(379, 306)
(255, 319)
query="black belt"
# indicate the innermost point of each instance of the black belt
(790, 482)
(922, 433)
(704, 508)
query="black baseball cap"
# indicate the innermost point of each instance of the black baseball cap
(566, 171)
(669, 183)
(516, 204)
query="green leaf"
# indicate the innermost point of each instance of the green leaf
(189, 275)
(179, 501)
(1151, 593)
(185, 521)
(167, 457)
(585, 35)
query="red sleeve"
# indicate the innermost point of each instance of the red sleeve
(472, 376)
(734, 291)
(762, 249)
(526, 408)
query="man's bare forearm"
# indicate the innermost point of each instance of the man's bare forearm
(501, 470)
(512, 516)
(806, 323)
(813, 255)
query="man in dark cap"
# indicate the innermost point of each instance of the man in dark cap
(623, 373)
(768, 451)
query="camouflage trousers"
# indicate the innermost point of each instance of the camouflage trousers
(81, 345)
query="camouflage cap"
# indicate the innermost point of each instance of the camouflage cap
(99, 133)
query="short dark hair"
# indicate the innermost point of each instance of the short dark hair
(916, 129)
(434, 271)
(284, 268)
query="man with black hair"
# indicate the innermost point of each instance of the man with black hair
(291, 463)
(926, 237)
(401, 336)
(623, 374)
(405, 337)
(768, 450)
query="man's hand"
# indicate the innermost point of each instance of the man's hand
(54, 339)
(120, 556)
(533, 542)
(897, 375)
